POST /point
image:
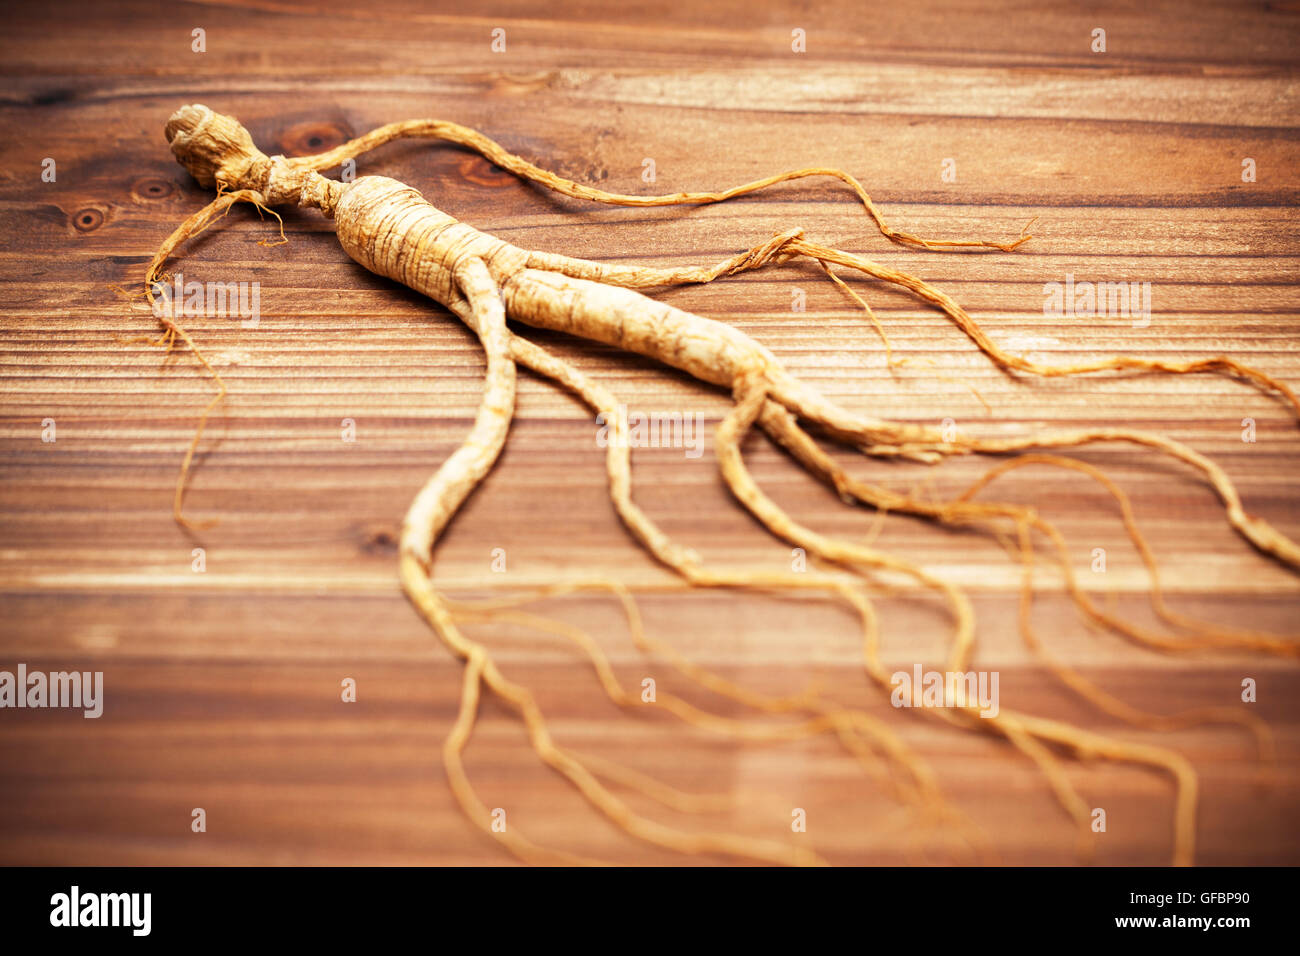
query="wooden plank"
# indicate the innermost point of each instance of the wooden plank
(222, 688)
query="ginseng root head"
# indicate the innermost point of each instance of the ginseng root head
(214, 148)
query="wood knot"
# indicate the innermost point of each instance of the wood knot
(476, 169)
(378, 539)
(152, 189)
(88, 219)
(307, 139)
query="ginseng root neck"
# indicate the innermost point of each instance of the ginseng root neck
(219, 153)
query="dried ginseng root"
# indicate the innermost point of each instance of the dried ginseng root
(389, 228)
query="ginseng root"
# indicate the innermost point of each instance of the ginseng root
(390, 229)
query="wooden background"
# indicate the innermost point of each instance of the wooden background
(222, 688)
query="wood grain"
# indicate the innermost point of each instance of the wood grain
(222, 688)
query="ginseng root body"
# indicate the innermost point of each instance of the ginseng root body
(393, 231)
